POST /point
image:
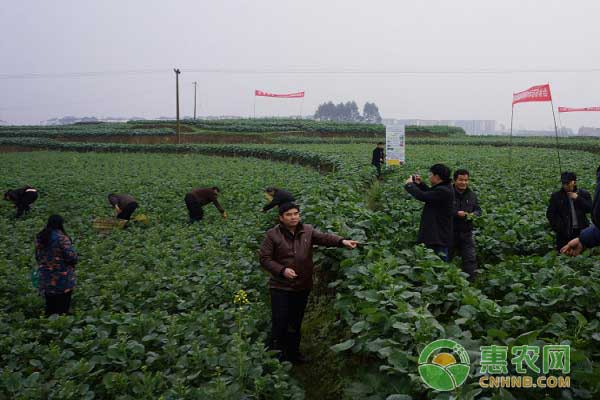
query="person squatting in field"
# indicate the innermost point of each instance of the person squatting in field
(590, 236)
(436, 227)
(277, 197)
(378, 158)
(198, 198)
(466, 206)
(567, 210)
(124, 204)
(56, 260)
(22, 198)
(286, 254)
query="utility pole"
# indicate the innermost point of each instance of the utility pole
(195, 85)
(177, 72)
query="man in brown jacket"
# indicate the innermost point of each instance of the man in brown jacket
(198, 198)
(286, 253)
(124, 205)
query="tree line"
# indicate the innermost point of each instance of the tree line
(348, 112)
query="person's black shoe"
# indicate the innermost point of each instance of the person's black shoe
(299, 359)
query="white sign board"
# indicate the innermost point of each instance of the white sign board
(394, 144)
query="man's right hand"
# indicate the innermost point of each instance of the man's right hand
(461, 214)
(289, 273)
(573, 248)
(418, 179)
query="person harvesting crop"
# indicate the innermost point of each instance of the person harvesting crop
(56, 260)
(22, 198)
(277, 197)
(286, 253)
(198, 198)
(466, 206)
(124, 204)
(436, 228)
(567, 210)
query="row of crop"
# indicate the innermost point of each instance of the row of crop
(280, 125)
(318, 161)
(8, 132)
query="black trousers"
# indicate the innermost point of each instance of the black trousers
(58, 303)
(127, 211)
(194, 208)
(562, 240)
(378, 168)
(464, 245)
(25, 201)
(287, 308)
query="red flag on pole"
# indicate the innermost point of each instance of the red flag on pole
(260, 93)
(569, 109)
(534, 93)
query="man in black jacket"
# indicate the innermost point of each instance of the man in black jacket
(378, 158)
(22, 198)
(466, 206)
(277, 197)
(435, 230)
(567, 210)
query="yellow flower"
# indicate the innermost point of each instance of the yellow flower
(241, 297)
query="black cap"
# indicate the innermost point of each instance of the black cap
(567, 177)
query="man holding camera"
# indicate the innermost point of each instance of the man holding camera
(436, 228)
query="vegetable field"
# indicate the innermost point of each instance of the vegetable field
(159, 310)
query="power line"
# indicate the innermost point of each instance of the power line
(295, 71)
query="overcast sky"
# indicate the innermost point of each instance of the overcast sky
(62, 39)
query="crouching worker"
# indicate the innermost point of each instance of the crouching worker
(22, 198)
(124, 205)
(198, 198)
(56, 260)
(590, 236)
(277, 197)
(567, 210)
(286, 253)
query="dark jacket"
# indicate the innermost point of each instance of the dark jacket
(467, 202)
(378, 156)
(17, 196)
(281, 249)
(121, 200)
(559, 212)
(205, 196)
(436, 219)
(280, 197)
(56, 264)
(596, 203)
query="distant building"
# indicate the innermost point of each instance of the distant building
(588, 131)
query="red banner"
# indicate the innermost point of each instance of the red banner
(534, 93)
(569, 109)
(260, 93)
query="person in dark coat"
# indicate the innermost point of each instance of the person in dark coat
(466, 206)
(567, 210)
(56, 260)
(277, 197)
(22, 198)
(198, 198)
(124, 205)
(436, 228)
(378, 158)
(286, 254)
